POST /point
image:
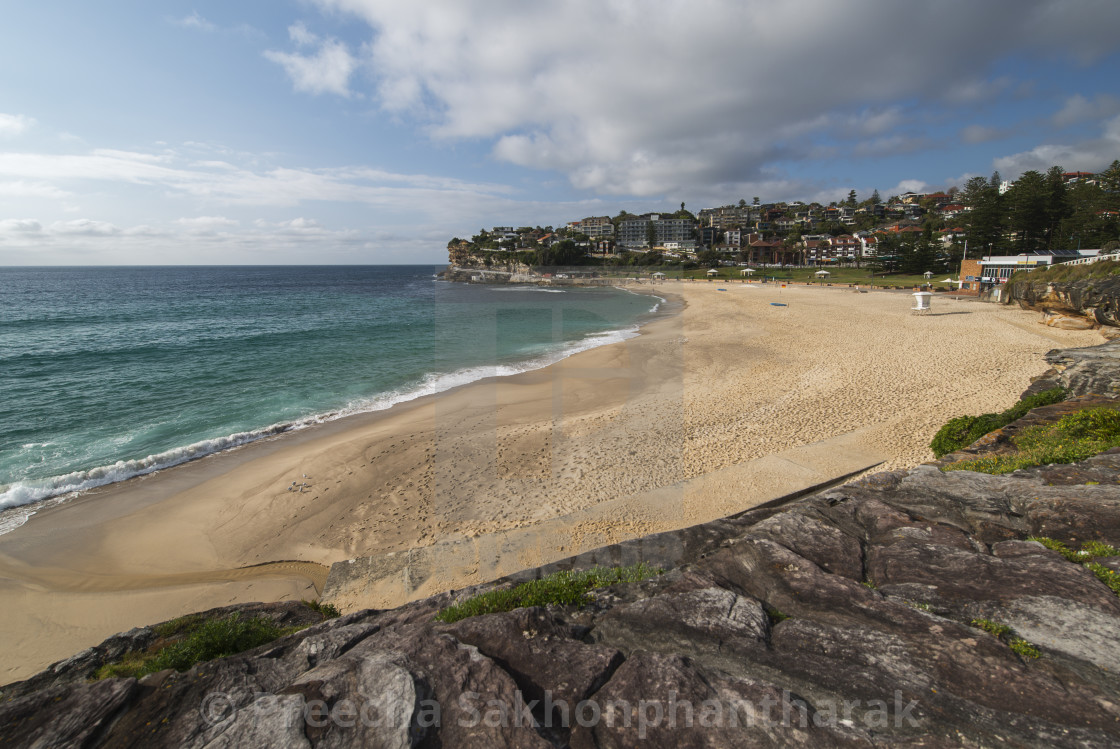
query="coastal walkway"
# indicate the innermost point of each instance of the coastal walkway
(392, 579)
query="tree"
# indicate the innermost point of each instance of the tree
(1027, 211)
(755, 201)
(984, 221)
(1057, 208)
(852, 199)
(561, 253)
(875, 199)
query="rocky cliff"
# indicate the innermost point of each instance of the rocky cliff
(904, 609)
(1095, 300)
(486, 267)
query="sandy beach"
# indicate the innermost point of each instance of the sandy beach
(726, 378)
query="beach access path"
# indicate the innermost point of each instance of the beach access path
(726, 379)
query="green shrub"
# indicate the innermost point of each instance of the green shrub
(964, 430)
(328, 610)
(216, 638)
(1075, 437)
(565, 588)
(202, 640)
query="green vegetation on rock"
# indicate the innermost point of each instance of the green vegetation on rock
(964, 430)
(199, 640)
(1005, 633)
(1075, 437)
(567, 588)
(328, 610)
(1087, 556)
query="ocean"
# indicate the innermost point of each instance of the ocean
(110, 373)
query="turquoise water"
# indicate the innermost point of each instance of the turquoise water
(109, 373)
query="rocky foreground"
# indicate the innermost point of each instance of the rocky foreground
(845, 618)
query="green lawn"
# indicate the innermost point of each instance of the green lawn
(800, 276)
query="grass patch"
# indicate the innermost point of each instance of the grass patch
(1074, 437)
(1004, 633)
(1062, 272)
(1090, 551)
(1105, 575)
(199, 640)
(920, 606)
(328, 610)
(565, 588)
(1023, 648)
(964, 430)
(993, 628)
(775, 616)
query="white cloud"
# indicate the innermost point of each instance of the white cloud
(21, 189)
(301, 35)
(12, 125)
(327, 70)
(20, 226)
(648, 98)
(1077, 109)
(195, 21)
(53, 175)
(1091, 155)
(85, 227)
(207, 224)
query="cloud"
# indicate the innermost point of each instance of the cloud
(21, 189)
(195, 21)
(85, 227)
(651, 98)
(20, 226)
(1079, 109)
(982, 133)
(328, 70)
(207, 224)
(1090, 155)
(12, 125)
(232, 184)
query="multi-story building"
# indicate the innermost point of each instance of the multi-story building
(636, 232)
(726, 217)
(596, 227)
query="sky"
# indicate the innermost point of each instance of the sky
(373, 131)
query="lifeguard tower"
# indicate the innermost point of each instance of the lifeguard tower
(921, 303)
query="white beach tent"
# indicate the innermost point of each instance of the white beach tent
(822, 274)
(658, 276)
(747, 272)
(713, 272)
(928, 274)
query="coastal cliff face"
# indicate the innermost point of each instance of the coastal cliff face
(848, 617)
(1097, 301)
(482, 268)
